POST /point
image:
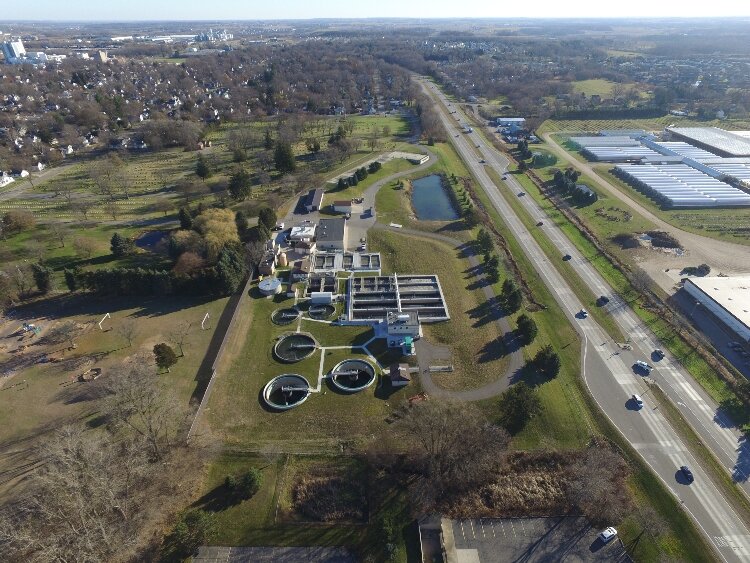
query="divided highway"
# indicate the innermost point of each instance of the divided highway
(607, 369)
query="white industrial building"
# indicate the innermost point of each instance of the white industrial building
(680, 185)
(728, 299)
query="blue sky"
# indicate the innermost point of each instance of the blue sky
(110, 10)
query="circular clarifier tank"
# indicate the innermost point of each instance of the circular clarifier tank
(285, 316)
(294, 347)
(352, 375)
(286, 391)
(270, 286)
(321, 312)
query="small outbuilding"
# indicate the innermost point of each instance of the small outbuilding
(314, 200)
(399, 375)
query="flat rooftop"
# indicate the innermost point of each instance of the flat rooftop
(331, 230)
(303, 230)
(732, 293)
(723, 142)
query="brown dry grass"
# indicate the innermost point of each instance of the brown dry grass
(329, 498)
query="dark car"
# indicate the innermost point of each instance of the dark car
(602, 300)
(687, 474)
(540, 223)
(566, 257)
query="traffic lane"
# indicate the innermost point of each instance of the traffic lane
(650, 434)
(714, 503)
(727, 442)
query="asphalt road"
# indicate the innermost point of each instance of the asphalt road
(607, 370)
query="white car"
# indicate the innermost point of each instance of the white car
(608, 534)
(279, 227)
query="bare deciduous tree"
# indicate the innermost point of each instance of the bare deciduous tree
(178, 334)
(82, 506)
(597, 484)
(456, 448)
(140, 403)
(127, 329)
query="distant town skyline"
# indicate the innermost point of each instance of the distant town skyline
(186, 10)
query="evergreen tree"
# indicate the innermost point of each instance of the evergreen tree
(71, 278)
(547, 362)
(202, 168)
(527, 328)
(240, 219)
(484, 241)
(239, 184)
(511, 296)
(231, 269)
(518, 405)
(283, 157)
(268, 140)
(186, 219)
(42, 277)
(165, 356)
(121, 246)
(267, 216)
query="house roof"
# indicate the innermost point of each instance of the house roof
(399, 372)
(314, 197)
(342, 203)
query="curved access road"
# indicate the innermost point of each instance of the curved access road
(516, 356)
(608, 371)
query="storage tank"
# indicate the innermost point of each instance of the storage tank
(282, 260)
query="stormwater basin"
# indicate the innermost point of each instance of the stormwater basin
(431, 201)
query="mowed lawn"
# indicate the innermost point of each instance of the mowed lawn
(473, 342)
(237, 414)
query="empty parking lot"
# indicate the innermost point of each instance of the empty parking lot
(566, 539)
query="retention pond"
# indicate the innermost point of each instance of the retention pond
(431, 201)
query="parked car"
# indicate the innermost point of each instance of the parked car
(505, 176)
(482, 160)
(540, 223)
(608, 534)
(640, 365)
(279, 227)
(685, 470)
(637, 401)
(520, 194)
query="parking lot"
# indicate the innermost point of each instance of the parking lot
(568, 539)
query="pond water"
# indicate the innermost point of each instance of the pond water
(430, 200)
(150, 240)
